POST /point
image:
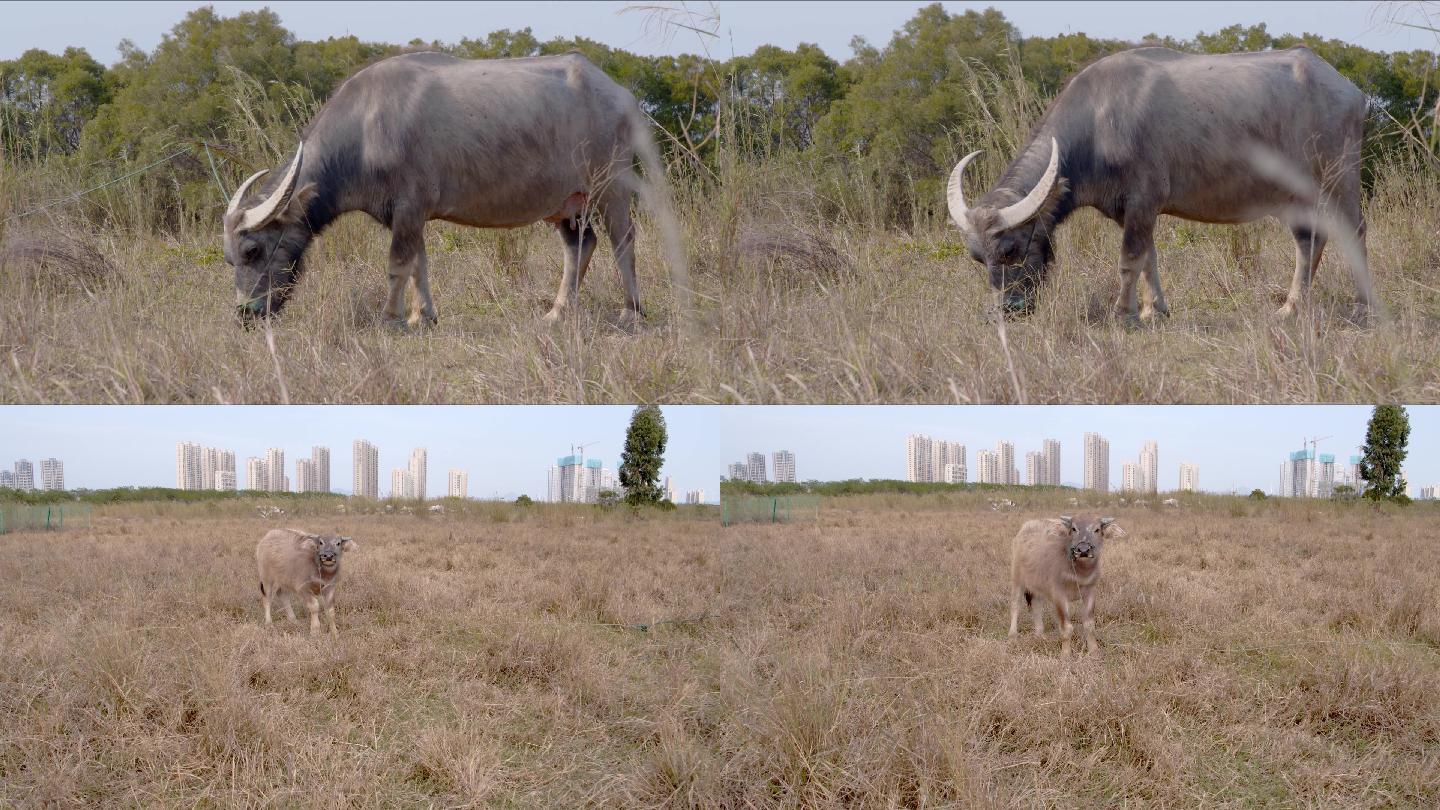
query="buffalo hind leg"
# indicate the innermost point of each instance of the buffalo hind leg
(579, 248)
(1036, 616)
(615, 211)
(1309, 248)
(1155, 304)
(1016, 594)
(409, 268)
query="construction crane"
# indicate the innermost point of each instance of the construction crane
(578, 493)
(1312, 484)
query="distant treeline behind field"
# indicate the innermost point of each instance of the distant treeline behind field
(234, 92)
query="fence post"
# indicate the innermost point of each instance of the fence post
(47, 518)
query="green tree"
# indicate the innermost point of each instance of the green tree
(524, 500)
(643, 457)
(46, 100)
(1257, 494)
(1384, 452)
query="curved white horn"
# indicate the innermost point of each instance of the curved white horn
(275, 203)
(955, 197)
(240, 192)
(1012, 215)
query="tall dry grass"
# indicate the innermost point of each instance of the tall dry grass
(802, 293)
(1253, 655)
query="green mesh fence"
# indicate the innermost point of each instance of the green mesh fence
(777, 509)
(45, 517)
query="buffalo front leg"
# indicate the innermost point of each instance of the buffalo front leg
(409, 268)
(579, 248)
(265, 601)
(1067, 628)
(328, 601)
(1309, 248)
(1087, 620)
(621, 229)
(314, 605)
(1156, 304)
(1137, 250)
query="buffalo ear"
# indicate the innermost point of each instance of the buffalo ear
(299, 204)
(1110, 529)
(310, 542)
(1068, 521)
(349, 544)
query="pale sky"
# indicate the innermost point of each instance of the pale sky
(506, 449)
(1238, 447)
(740, 28)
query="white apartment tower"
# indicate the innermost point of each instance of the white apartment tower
(987, 467)
(1034, 468)
(1130, 477)
(1149, 474)
(1097, 462)
(459, 484)
(52, 474)
(695, 496)
(784, 466)
(1189, 477)
(418, 465)
(189, 473)
(669, 490)
(1005, 461)
(736, 471)
(365, 481)
(225, 480)
(401, 485)
(256, 478)
(275, 469)
(755, 468)
(934, 460)
(1050, 461)
(24, 475)
(320, 458)
(304, 475)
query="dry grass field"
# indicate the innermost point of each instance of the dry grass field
(798, 297)
(1254, 654)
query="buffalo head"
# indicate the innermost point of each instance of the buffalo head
(266, 241)
(1012, 239)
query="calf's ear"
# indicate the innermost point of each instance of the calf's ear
(1110, 530)
(349, 544)
(310, 542)
(1068, 521)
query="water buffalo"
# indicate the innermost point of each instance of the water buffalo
(1153, 131)
(292, 562)
(492, 143)
(1060, 561)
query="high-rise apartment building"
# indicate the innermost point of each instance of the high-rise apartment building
(695, 496)
(225, 480)
(305, 475)
(275, 469)
(784, 466)
(1325, 485)
(987, 467)
(257, 478)
(1298, 477)
(365, 475)
(7, 479)
(24, 475)
(1050, 462)
(574, 479)
(736, 471)
(1034, 468)
(755, 468)
(1148, 475)
(52, 474)
(189, 473)
(459, 484)
(1097, 462)
(401, 484)
(669, 490)
(1130, 477)
(1189, 477)
(320, 458)
(1005, 461)
(419, 465)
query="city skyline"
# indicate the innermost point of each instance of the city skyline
(1238, 447)
(504, 448)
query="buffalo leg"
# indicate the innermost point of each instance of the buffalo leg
(409, 267)
(1136, 249)
(1017, 593)
(579, 248)
(1309, 248)
(289, 608)
(265, 600)
(1087, 619)
(1036, 617)
(1156, 304)
(1067, 629)
(328, 601)
(618, 225)
(314, 606)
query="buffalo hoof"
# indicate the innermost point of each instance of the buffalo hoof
(1286, 312)
(1130, 320)
(397, 325)
(1155, 313)
(553, 316)
(423, 322)
(630, 321)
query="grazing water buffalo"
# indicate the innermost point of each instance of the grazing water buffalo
(1060, 561)
(292, 562)
(492, 143)
(1153, 131)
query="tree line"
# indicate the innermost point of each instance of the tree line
(237, 89)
